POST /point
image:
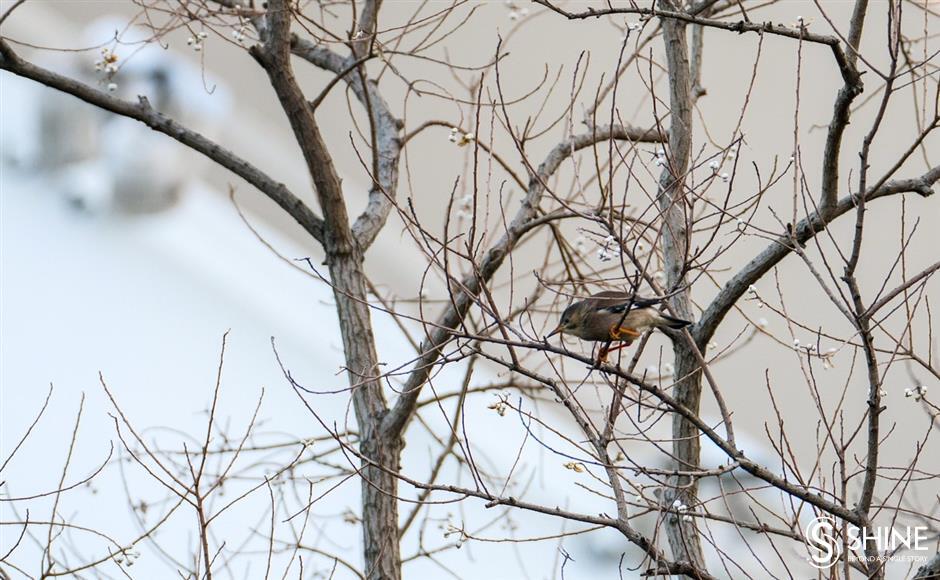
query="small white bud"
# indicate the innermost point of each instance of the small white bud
(112, 87)
(725, 177)
(796, 342)
(714, 165)
(202, 34)
(762, 322)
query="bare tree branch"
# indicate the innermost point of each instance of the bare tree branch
(805, 230)
(840, 116)
(157, 121)
(274, 56)
(385, 126)
(916, 279)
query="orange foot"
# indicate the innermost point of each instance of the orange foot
(618, 334)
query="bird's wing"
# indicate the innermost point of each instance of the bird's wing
(618, 302)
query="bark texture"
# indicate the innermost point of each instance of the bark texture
(682, 534)
(344, 257)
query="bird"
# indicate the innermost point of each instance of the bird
(614, 316)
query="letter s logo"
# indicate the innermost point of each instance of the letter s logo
(823, 544)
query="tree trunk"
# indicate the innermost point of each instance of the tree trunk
(381, 453)
(380, 509)
(683, 537)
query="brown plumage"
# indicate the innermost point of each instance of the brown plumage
(614, 316)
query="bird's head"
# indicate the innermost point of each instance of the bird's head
(572, 320)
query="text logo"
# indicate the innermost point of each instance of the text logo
(826, 541)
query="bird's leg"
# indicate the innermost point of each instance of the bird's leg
(624, 334)
(631, 333)
(617, 333)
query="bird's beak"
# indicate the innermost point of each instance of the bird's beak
(557, 330)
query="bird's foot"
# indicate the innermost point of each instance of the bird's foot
(623, 333)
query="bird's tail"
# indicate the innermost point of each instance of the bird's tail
(672, 322)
